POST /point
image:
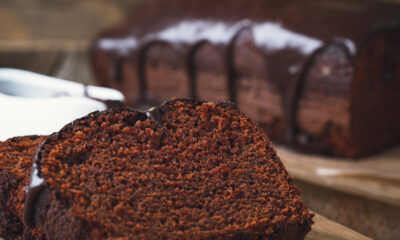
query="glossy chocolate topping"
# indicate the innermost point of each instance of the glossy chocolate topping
(289, 34)
(155, 114)
(109, 103)
(36, 185)
(392, 45)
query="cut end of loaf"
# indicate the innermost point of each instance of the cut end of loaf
(203, 171)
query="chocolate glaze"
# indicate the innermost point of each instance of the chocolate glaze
(293, 99)
(392, 44)
(109, 103)
(232, 74)
(118, 73)
(155, 113)
(36, 185)
(287, 33)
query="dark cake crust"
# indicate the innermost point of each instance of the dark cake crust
(63, 211)
(16, 157)
(284, 87)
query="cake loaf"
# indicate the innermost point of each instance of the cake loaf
(319, 76)
(185, 170)
(16, 157)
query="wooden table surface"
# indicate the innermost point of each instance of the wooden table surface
(58, 19)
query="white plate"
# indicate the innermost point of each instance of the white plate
(35, 104)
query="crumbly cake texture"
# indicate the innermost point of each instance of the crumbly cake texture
(201, 171)
(16, 157)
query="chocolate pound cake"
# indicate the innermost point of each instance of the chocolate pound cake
(185, 170)
(16, 157)
(318, 76)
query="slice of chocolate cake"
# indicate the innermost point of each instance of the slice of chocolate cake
(16, 157)
(185, 170)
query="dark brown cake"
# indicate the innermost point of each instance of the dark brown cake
(16, 157)
(319, 76)
(184, 170)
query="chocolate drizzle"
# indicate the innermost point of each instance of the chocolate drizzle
(291, 108)
(230, 56)
(109, 103)
(117, 69)
(36, 185)
(392, 45)
(391, 31)
(155, 113)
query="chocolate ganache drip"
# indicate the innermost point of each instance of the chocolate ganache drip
(291, 110)
(392, 45)
(155, 113)
(36, 185)
(109, 103)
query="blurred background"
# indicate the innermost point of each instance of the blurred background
(58, 19)
(52, 37)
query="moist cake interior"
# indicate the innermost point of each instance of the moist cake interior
(192, 170)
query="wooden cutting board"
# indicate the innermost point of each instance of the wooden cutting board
(376, 177)
(363, 194)
(325, 229)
